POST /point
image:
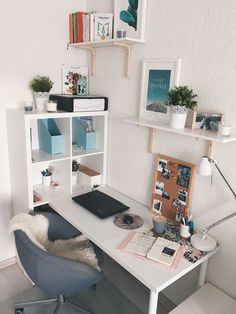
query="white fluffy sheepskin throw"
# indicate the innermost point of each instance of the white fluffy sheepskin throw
(36, 228)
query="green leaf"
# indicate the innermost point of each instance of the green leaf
(128, 18)
(133, 4)
(133, 13)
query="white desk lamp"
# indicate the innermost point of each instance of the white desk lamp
(203, 241)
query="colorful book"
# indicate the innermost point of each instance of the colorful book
(70, 29)
(86, 26)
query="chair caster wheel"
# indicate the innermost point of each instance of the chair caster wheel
(19, 310)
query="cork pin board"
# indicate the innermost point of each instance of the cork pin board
(172, 187)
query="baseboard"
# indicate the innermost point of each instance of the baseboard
(8, 262)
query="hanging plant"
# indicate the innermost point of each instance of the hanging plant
(130, 16)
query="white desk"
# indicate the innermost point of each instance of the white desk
(107, 236)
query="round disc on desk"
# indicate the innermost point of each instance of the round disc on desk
(120, 221)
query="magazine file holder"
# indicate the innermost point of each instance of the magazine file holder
(85, 139)
(50, 138)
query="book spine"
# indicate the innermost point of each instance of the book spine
(79, 16)
(70, 29)
(92, 26)
(74, 28)
(87, 27)
(84, 30)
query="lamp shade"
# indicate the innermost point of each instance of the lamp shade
(204, 168)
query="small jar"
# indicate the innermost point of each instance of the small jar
(51, 106)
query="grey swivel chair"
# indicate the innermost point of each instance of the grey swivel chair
(53, 274)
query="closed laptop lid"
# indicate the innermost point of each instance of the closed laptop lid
(99, 203)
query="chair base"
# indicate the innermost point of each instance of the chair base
(60, 300)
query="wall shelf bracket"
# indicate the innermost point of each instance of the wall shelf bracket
(128, 56)
(152, 135)
(210, 149)
(92, 51)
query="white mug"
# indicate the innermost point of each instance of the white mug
(226, 130)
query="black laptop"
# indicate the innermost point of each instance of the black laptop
(100, 204)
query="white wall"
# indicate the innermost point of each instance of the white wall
(33, 36)
(202, 33)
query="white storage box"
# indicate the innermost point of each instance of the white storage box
(89, 177)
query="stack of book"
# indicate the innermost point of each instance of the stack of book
(85, 27)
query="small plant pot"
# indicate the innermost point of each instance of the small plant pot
(41, 99)
(178, 116)
(74, 177)
(47, 180)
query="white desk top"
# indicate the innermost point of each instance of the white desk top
(108, 236)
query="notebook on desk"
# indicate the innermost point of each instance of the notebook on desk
(100, 204)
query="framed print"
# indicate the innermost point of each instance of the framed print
(158, 76)
(130, 16)
(74, 80)
(172, 187)
(207, 121)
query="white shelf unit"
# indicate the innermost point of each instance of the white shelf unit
(211, 137)
(27, 160)
(125, 43)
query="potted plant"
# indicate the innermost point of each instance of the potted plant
(46, 176)
(75, 168)
(180, 99)
(41, 86)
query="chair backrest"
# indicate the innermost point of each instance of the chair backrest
(28, 254)
(47, 270)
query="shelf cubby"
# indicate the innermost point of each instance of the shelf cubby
(27, 160)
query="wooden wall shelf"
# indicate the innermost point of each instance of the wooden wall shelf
(121, 42)
(198, 134)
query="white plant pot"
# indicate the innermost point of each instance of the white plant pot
(74, 177)
(47, 180)
(41, 99)
(178, 116)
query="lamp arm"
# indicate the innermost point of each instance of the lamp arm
(220, 172)
(205, 230)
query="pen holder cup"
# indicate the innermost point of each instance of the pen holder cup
(159, 224)
(46, 180)
(184, 231)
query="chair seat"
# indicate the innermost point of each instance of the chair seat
(207, 300)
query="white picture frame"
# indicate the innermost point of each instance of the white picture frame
(158, 77)
(67, 83)
(137, 29)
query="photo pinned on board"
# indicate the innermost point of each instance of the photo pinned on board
(182, 197)
(165, 195)
(159, 187)
(183, 177)
(157, 206)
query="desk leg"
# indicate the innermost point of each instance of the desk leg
(202, 274)
(153, 301)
